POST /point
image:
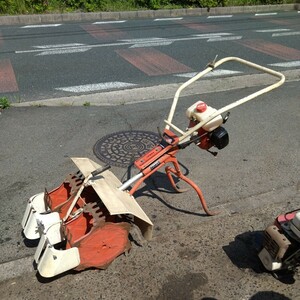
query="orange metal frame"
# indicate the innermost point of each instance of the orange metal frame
(158, 157)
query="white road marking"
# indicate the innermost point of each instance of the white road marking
(167, 19)
(87, 46)
(109, 22)
(221, 16)
(214, 73)
(41, 26)
(290, 64)
(286, 33)
(210, 35)
(265, 14)
(133, 43)
(151, 42)
(96, 87)
(225, 38)
(273, 30)
(143, 40)
(58, 46)
(63, 51)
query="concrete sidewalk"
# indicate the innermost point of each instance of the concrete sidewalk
(142, 14)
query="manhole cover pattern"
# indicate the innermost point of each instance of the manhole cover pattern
(122, 148)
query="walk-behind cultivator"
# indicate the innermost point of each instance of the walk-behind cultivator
(85, 222)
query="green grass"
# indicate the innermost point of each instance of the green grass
(256, 2)
(54, 6)
(4, 103)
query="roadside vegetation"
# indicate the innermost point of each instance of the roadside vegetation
(4, 103)
(59, 6)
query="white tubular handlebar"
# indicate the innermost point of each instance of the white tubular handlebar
(229, 106)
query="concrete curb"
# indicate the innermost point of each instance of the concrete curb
(141, 14)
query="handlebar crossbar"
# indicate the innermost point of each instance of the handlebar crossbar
(211, 67)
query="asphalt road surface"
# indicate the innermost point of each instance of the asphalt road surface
(58, 60)
(252, 180)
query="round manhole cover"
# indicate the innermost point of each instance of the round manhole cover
(122, 148)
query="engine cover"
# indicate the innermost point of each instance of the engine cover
(219, 137)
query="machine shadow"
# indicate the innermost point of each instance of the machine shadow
(267, 295)
(159, 183)
(29, 243)
(243, 253)
(185, 171)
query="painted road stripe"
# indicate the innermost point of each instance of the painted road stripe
(96, 87)
(167, 19)
(223, 38)
(286, 33)
(109, 22)
(63, 51)
(265, 14)
(41, 26)
(151, 42)
(211, 35)
(273, 49)
(8, 82)
(152, 62)
(221, 16)
(290, 64)
(273, 30)
(214, 73)
(87, 46)
(59, 46)
(136, 42)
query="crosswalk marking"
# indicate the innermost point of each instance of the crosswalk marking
(272, 49)
(107, 33)
(8, 82)
(152, 62)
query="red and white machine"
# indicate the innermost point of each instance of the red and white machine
(85, 222)
(281, 245)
